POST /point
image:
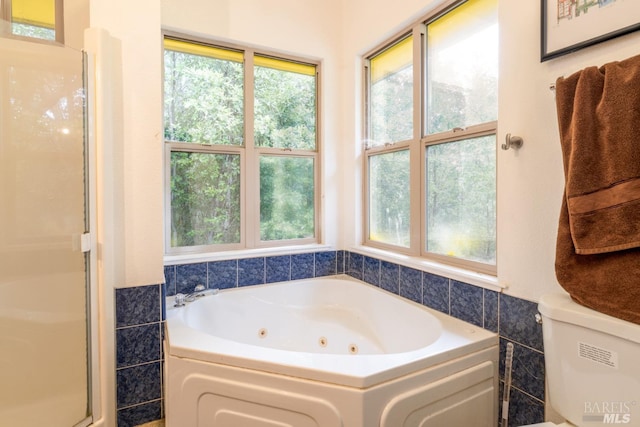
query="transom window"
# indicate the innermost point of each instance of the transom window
(430, 132)
(39, 19)
(241, 148)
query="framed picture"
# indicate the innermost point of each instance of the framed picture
(569, 25)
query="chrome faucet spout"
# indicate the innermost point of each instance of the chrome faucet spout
(182, 299)
(198, 292)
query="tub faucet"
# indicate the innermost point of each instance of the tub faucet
(182, 299)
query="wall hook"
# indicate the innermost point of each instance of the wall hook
(512, 142)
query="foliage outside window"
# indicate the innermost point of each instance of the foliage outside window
(390, 123)
(431, 111)
(240, 132)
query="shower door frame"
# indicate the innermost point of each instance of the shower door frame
(86, 241)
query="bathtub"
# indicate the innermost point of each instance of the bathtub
(325, 352)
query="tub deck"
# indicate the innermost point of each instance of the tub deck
(454, 339)
(218, 382)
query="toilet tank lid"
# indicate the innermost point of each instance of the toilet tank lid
(561, 307)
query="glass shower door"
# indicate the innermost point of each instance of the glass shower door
(44, 360)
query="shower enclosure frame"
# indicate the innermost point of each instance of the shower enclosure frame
(97, 395)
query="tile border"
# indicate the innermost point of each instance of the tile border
(511, 317)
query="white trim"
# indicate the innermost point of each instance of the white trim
(250, 155)
(244, 253)
(417, 147)
(88, 240)
(102, 49)
(467, 276)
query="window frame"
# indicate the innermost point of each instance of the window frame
(6, 15)
(417, 146)
(250, 155)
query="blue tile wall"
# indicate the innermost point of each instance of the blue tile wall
(371, 272)
(390, 277)
(491, 317)
(512, 318)
(467, 303)
(302, 266)
(222, 274)
(340, 262)
(140, 312)
(522, 408)
(139, 315)
(354, 265)
(141, 414)
(138, 306)
(278, 268)
(138, 344)
(410, 284)
(435, 292)
(517, 325)
(326, 263)
(188, 276)
(251, 271)
(527, 373)
(517, 321)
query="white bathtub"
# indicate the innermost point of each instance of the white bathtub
(325, 352)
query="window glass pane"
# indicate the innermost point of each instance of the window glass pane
(203, 94)
(462, 74)
(287, 199)
(33, 31)
(461, 199)
(389, 206)
(285, 104)
(205, 199)
(391, 94)
(34, 18)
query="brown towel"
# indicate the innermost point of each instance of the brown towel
(597, 256)
(599, 119)
(608, 283)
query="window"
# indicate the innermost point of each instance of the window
(390, 129)
(40, 19)
(391, 94)
(431, 120)
(242, 149)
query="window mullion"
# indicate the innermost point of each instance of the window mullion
(250, 187)
(415, 173)
(59, 21)
(5, 10)
(167, 196)
(366, 108)
(459, 133)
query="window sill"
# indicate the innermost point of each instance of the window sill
(467, 276)
(243, 253)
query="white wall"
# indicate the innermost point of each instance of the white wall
(137, 165)
(302, 28)
(298, 27)
(76, 19)
(367, 23)
(531, 180)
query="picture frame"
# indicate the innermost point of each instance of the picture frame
(571, 25)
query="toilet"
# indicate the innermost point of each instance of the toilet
(592, 363)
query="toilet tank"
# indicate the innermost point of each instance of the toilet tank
(592, 363)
